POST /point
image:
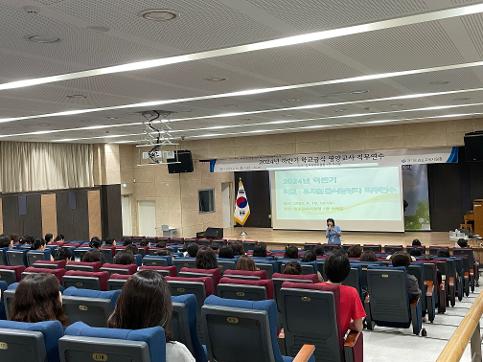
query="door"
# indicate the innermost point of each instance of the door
(227, 204)
(147, 218)
(126, 216)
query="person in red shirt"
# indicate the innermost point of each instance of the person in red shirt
(351, 310)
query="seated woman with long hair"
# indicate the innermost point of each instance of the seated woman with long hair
(145, 302)
(38, 299)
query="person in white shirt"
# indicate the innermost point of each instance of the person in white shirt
(145, 302)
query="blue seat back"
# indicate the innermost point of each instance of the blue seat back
(184, 324)
(17, 256)
(156, 260)
(90, 306)
(35, 255)
(240, 330)
(84, 343)
(32, 342)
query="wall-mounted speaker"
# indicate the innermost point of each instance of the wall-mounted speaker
(185, 162)
(474, 146)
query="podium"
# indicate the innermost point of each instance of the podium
(475, 217)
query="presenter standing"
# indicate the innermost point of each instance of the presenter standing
(333, 232)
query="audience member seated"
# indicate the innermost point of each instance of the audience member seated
(48, 238)
(37, 299)
(246, 263)
(462, 243)
(237, 248)
(26, 240)
(148, 289)
(124, 258)
(226, 252)
(318, 250)
(5, 241)
(93, 256)
(260, 250)
(403, 259)
(351, 312)
(292, 268)
(38, 244)
(133, 249)
(59, 239)
(291, 252)
(206, 258)
(368, 255)
(414, 253)
(355, 251)
(95, 243)
(309, 256)
(109, 242)
(192, 250)
(63, 254)
(416, 243)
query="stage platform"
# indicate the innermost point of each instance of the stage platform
(275, 238)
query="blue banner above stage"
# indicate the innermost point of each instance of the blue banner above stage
(396, 157)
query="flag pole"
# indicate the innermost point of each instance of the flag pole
(243, 233)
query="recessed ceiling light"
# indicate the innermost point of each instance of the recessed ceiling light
(158, 14)
(43, 39)
(341, 110)
(77, 96)
(112, 118)
(98, 28)
(215, 79)
(360, 91)
(291, 100)
(439, 82)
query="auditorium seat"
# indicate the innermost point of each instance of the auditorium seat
(58, 273)
(164, 270)
(354, 279)
(90, 306)
(246, 274)
(225, 264)
(307, 267)
(3, 255)
(35, 255)
(242, 330)
(119, 268)
(82, 342)
(32, 342)
(17, 257)
(184, 324)
(80, 252)
(8, 296)
(184, 263)
(117, 281)
(157, 260)
(201, 287)
(86, 280)
(391, 249)
(310, 313)
(447, 268)
(108, 253)
(270, 265)
(388, 303)
(11, 273)
(3, 287)
(215, 273)
(328, 248)
(469, 259)
(83, 266)
(376, 248)
(50, 264)
(278, 280)
(245, 289)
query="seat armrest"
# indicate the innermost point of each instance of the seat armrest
(281, 342)
(305, 353)
(353, 347)
(351, 339)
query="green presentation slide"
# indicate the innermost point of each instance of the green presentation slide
(370, 193)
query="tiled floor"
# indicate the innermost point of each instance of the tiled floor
(395, 345)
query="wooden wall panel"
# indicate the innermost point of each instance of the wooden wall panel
(94, 209)
(111, 211)
(49, 213)
(72, 214)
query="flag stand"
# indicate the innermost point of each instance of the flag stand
(243, 233)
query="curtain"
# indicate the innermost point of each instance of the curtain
(45, 166)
